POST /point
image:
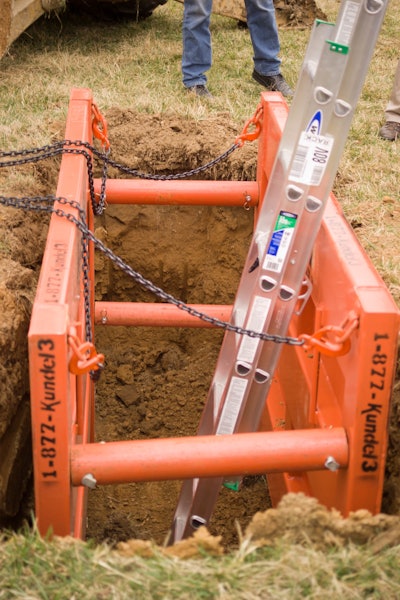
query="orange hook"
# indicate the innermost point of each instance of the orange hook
(255, 124)
(339, 344)
(84, 356)
(99, 126)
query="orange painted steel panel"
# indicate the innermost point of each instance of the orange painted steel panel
(208, 456)
(54, 392)
(151, 314)
(274, 115)
(198, 192)
(351, 391)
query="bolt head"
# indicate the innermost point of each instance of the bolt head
(89, 481)
(331, 464)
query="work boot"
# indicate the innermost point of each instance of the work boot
(201, 91)
(390, 131)
(274, 83)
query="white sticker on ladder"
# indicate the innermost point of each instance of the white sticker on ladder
(311, 158)
(345, 31)
(233, 403)
(258, 315)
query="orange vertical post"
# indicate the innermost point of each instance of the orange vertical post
(57, 306)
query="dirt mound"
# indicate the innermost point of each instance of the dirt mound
(296, 520)
(303, 520)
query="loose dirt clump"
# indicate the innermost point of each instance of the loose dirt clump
(291, 13)
(297, 520)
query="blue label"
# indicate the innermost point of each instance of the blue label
(275, 243)
(315, 124)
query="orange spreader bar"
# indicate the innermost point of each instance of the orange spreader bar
(208, 456)
(142, 314)
(205, 193)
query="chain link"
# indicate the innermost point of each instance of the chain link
(43, 204)
(46, 204)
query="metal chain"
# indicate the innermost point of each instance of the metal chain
(62, 147)
(33, 203)
(183, 175)
(46, 204)
(49, 151)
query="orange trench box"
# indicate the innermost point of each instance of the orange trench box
(324, 429)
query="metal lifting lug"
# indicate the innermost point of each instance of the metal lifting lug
(84, 356)
(332, 340)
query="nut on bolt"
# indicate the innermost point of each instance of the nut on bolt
(89, 481)
(331, 464)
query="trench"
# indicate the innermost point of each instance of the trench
(157, 379)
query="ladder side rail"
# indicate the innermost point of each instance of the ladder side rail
(231, 381)
(363, 40)
(338, 118)
(278, 200)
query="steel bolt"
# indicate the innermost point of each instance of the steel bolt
(331, 464)
(89, 481)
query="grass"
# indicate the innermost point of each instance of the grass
(32, 568)
(137, 66)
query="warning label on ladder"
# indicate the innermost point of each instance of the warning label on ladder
(280, 242)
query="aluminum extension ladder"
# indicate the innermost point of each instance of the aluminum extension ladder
(274, 275)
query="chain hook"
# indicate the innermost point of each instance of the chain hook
(247, 200)
(254, 124)
(84, 356)
(99, 127)
(332, 340)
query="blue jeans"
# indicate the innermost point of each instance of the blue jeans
(197, 51)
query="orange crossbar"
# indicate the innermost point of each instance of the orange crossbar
(208, 456)
(154, 314)
(198, 192)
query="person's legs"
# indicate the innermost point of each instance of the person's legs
(391, 129)
(197, 54)
(264, 36)
(392, 112)
(263, 29)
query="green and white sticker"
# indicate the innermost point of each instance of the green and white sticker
(280, 241)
